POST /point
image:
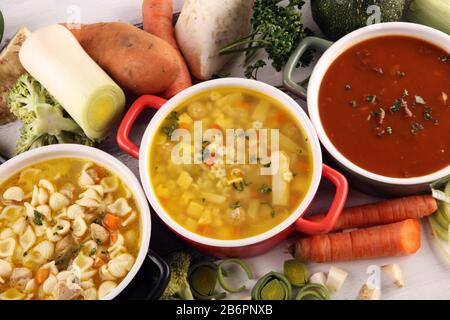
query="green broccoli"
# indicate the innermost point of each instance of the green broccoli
(44, 120)
(178, 287)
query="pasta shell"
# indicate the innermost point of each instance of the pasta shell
(42, 196)
(87, 284)
(117, 268)
(105, 274)
(131, 218)
(85, 179)
(88, 246)
(19, 226)
(128, 259)
(29, 210)
(7, 247)
(43, 183)
(27, 239)
(12, 294)
(106, 288)
(45, 211)
(67, 190)
(98, 188)
(39, 231)
(62, 227)
(120, 207)
(5, 268)
(75, 211)
(88, 203)
(82, 262)
(58, 201)
(12, 213)
(52, 235)
(6, 233)
(35, 196)
(118, 244)
(48, 286)
(110, 184)
(90, 294)
(86, 275)
(14, 193)
(79, 227)
(91, 194)
(52, 267)
(45, 249)
(30, 286)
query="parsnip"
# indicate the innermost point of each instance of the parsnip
(54, 57)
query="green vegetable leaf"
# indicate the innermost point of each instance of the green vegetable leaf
(37, 218)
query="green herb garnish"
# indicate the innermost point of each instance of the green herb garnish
(251, 72)
(92, 252)
(235, 205)
(396, 106)
(267, 165)
(265, 189)
(37, 218)
(172, 125)
(240, 186)
(427, 113)
(278, 30)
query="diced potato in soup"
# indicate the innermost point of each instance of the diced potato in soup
(69, 229)
(217, 198)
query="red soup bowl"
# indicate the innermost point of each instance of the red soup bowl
(247, 246)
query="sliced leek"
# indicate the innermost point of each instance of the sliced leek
(54, 57)
(221, 274)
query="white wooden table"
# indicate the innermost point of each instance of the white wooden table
(426, 276)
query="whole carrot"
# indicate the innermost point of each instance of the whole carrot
(390, 240)
(414, 207)
(157, 17)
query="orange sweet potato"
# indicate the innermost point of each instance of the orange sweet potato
(139, 62)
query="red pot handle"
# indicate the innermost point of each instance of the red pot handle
(325, 226)
(128, 121)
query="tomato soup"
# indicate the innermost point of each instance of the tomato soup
(384, 104)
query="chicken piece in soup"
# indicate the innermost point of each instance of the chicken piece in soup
(217, 155)
(69, 229)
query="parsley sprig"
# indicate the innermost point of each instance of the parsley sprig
(278, 30)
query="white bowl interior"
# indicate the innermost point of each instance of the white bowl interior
(289, 103)
(77, 151)
(394, 28)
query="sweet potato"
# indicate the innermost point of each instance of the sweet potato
(138, 61)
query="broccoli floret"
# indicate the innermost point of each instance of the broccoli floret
(44, 120)
(178, 287)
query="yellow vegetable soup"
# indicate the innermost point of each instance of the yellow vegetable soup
(69, 229)
(231, 200)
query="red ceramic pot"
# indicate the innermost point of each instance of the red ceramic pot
(249, 246)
